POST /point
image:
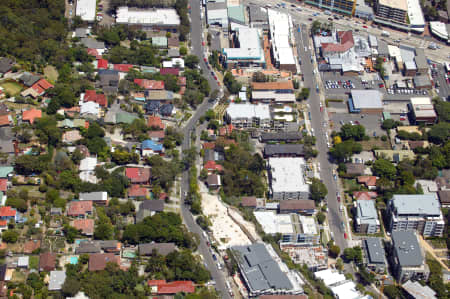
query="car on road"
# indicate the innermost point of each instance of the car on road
(345, 235)
(365, 27)
(335, 177)
(342, 224)
(214, 257)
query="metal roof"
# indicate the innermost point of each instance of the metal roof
(283, 149)
(375, 251)
(407, 248)
(366, 211)
(366, 99)
(258, 14)
(417, 204)
(416, 290)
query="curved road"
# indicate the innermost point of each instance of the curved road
(219, 276)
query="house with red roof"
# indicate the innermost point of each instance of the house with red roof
(93, 96)
(3, 225)
(369, 181)
(86, 226)
(138, 175)
(80, 209)
(161, 287)
(5, 120)
(156, 135)
(31, 115)
(169, 71)
(344, 42)
(94, 52)
(226, 130)
(155, 122)
(209, 145)
(181, 81)
(124, 68)
(98, 261)
(3, 185)
(31, 246)
(7, 213)
(138, 192)
(212, 166)
(150, 84)
(102, 64)
(364, 195)
(40, 87)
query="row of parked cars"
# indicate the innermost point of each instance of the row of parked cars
(339, 84)
(406, 91)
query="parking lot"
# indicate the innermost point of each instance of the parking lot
(372, 122)
(336, 84)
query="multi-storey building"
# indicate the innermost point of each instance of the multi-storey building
(341, 6)
(366, 217)
(395, 10)
(419, 212)
(287, 178)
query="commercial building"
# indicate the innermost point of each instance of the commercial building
(422, 111)
(287, 179)
(366, 217)
(374, 255)
(407, 259)
(420, 212)
(283, 150)
(365, 101)
(217, 13)
(277, 92)
(440, 30)
(261, 272)
(158, 19)
(346, 7)
(248, 52)
(248, 115)
(363, 11)
(85, 9)
(258, 17)
(285, 137)
(401, 14)
(280, 33)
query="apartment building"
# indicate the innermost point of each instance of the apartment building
(248, 115)
(366, 217)
(346, 7)
(395, 10)
(419, 212)
(407, 258)
(287, 178)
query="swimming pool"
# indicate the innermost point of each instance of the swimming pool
(74, 260)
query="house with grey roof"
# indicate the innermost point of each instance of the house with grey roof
(149, 208)
(261, 272)
(283, 150)
(407, 258)
(56, 281)
(366, 217)
(374, 255)
(419, 212)
(281, 136)
(92, 43)
(418, 291)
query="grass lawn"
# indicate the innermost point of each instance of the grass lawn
(34, 262)
(12, 88)
(51, 73)
(18, 276)
(375, 142)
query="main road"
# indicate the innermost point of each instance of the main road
(317, 119)
(196, 38)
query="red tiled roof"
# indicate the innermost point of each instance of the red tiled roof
(249, 201)
(138, 175)
(182, 90)
(344, 44)
(181, 81)
(98, 261)
(123, 67)
(94, 52)
(31, 246)
(209, 145)
(137, 191)
(169, 71)
(273, 85)
(44, 84)
(47, 261)
(85, 225)
(31, 115)
(226, 130)
(150, 84)
(212, 165)
(5, 120)
(367, 180)
(77, 208)
(3, 185)
(102, 63)
(156, 134)
(38, 89)
(93, 96)
(3, 223)
(155, 122)
(173, 287)
(7, 211)
(364, 195)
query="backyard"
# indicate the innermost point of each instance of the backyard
(12, 88)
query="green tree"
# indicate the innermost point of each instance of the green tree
(230, 82)
(70, 233)
(318, 190)
(71, 286)
(439, 133)
(389, 124)
(10, 236)
(334, 251)
(384, 168)
(355, 132)
(344, 150)
(103, 231)
(392, 292)
(320, 217)
(304, 94)
(191, 61)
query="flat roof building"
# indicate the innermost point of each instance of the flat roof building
(365, 101)
(217, 13)
(280, 32)
(401, 14)
(422, 110)
(283, 150)
(395, 10)
(250, 52)
(420, 212)
(341, 6)
(258, 17)
(248, 115)
(85, 9)
(407, 257)
(262, 274)
(366, 217)
(159, 18)
(286, 178)
(374, 255)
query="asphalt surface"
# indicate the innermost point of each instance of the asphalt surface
(326, 167)
(444, 87)
(196, 41)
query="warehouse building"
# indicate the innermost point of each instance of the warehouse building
(365, 101)
(157, 19)
(287, 179)
(422, 111)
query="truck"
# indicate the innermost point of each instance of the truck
(385, 33)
